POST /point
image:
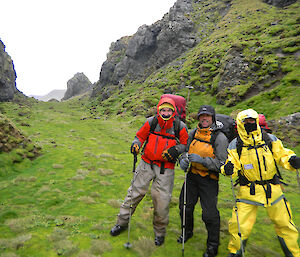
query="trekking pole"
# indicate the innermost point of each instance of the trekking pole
(128, 244)
(237, 216)
(184, 207)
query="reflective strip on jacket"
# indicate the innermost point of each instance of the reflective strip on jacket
(257, 163)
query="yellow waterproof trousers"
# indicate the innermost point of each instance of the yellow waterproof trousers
(278, 210)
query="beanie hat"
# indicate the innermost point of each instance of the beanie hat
(207, 109)
(166, 105)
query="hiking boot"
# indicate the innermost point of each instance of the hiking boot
(159, 240)
(187, 236)
(117, 229)
(210, 252)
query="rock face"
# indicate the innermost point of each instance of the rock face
(287, 129)
(7, 76)
(154, 46)
(77, 85)
(280, 3)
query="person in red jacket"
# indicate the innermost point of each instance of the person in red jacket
(164, 138)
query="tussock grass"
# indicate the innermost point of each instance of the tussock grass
(105, 172)
(95, 195)
(57, 166)
(87, 199)
(14, 243)
(144, 246)
(105, 183)
(78, 177)
(58, 234)
(99, 247)
(65, 247)
(98, 227)
(115, 203)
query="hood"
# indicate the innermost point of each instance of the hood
(168, 123)
(248, 138)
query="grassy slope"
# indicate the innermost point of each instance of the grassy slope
(66, 201)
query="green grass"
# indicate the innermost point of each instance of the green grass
(66, 201)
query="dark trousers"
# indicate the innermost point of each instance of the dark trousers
(207, 190)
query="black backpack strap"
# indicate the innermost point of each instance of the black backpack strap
(153, 124)
(213, 138)
(176, 125)
(239, 146)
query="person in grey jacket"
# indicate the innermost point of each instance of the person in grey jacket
(205, 153)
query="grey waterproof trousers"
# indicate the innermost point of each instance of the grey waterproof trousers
(161, 192)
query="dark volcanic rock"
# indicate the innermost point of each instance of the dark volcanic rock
(280, 3)
(7, 75)
(151, 47)
(77, 85)
(287, 129)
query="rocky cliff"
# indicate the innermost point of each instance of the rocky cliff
(154, 46)
(188, 23)
(7, 75)
(77, 85)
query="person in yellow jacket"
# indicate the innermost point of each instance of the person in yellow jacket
(250, 158)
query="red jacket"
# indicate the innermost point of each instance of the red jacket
(157, 144)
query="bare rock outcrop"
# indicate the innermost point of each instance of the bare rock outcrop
(280, 3)
(77, 85)
(7, 76)
(151, 47)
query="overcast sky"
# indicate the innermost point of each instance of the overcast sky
(50, 41)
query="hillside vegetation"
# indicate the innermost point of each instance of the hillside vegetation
(65, 201)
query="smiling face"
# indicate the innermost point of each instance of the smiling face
(205, 120)
(166, 113)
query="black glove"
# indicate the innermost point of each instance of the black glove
(295, 162)
(170, 154)
(228, 168)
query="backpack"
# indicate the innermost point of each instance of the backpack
(229, 126)
(180, 103)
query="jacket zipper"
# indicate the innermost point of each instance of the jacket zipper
(260, 173)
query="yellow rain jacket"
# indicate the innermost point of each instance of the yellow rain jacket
(256, 163)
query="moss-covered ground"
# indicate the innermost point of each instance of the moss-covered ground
(65, 201)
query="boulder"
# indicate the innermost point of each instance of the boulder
(280, 3)
(77, 85)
